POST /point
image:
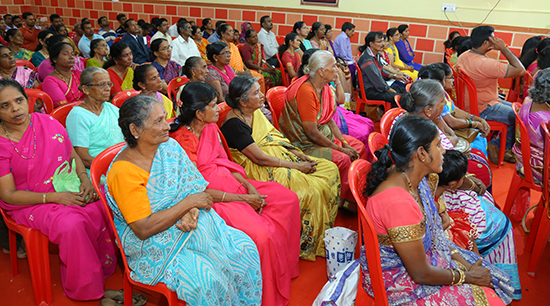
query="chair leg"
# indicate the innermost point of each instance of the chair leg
(541, 210)
(502, 149)
(543, 234)
(13, 252)
(512, 193)
(128, 290)
(39, 266)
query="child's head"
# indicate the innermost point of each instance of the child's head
(455, 166)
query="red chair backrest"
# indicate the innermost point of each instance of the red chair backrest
(36, 94)
(387, 120)
(117, 39)
(22, 62)
(284, 73)
(61, 112)
(119, 99)
(546, 169)
(360, 81)
(224, 109)
(525, 144)
(397, 98)
(376, 142)
(465, 85)
(276, 99)
(357, 180)
(280, 39)
(174, 85)
(224, 144)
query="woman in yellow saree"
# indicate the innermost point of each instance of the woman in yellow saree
(394, 36)
(267, 156)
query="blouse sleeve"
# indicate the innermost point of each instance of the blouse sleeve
(307, 103)
(127, 184)
(286, 59)
(246, 52)
(237, 134)
(78, 128)
(212, 75)
(5, 160)
(51, 87)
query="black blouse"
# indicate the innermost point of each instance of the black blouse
(237, 134)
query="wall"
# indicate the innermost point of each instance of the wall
(427, 39)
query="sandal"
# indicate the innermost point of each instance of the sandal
(117, 296)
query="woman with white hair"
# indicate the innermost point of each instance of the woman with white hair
(93, 125)
(307, 120)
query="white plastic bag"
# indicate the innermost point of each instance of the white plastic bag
(340, 245)
(342, 289)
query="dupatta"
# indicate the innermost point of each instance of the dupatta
(227, 76)
(328, 106)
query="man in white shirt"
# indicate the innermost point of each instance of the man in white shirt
(184, 46)
(173, 30)
(162, 30)
(268, 39)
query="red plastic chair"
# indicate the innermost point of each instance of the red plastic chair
(117, 39)
(275, 97)
(357, 180)
(387, 120)
(284, 75)
(466, 83)
(173, 86)
(224, 109)
(99, 167)
(119, 99)
(397, 98)
(540, 230)
(527, 181)
(376, 142)
(38, 257)
(61, 112)
(36, 94)
(362, 101)
(280, 39)
(22, 62)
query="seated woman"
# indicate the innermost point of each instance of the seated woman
(46, 67)
(41, 52)
(99, 51)
(167, 69)
(406, 53)
(316, 36)
(15, 39)
(266, 155)
(235, 59)
(348, 122)
(302, 30)
(253, 55)
(495, 235)
(31, 149)
(530, 58)
(289, 57)
(93, 125)
(394, 36)
(420, 265)
(535, 110)
(207, 27)
(220, 73)
(266, 211)
(120, 67)
(448, 44)
(195, 69)
(328, 38)
(200, 41)
(148, 80)
(307, 120)
(9, 70)
(245, 26)
(164, 218)
(62, 84)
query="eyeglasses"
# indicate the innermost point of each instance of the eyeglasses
(166, 49)
(102, 85)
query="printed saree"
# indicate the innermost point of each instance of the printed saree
(237, 64)
(318, 192)
(211, 265)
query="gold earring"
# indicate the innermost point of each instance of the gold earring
(423, 160)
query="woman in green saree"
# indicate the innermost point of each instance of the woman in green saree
(253, 56)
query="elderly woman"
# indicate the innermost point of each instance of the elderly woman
(220, 73)
(92, 126)
(253, 56)
(62, 84)
(15, 39)
(9, 69)
(46, 67)
(167, 69)
(195, 69)
(236, 61)
(420, 265)
(316, 36)
(41, 53)
(32, 147)
(120, 67)
(148, 80)
(535, 110)
(266, 211)
(307, 120)
(99, 51)
(164, 219)
(266, 155)
(200, 41)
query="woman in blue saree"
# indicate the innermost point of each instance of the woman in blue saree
(164, 220)
(420, 265)
(406, 53)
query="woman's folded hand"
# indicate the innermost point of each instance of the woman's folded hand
(478, 275)
(306, 167)
(66, 198)
(201, 200)
(189, 221)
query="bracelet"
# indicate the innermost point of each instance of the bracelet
(454, 252)
(280, 160)
(223, 196)
(345, 142)
(469, 123)
(79, 173)
(337, 84)
(453, 275)
(472, 117)
(472, 183)
(43, 198)
(462, 278)
(339, 147)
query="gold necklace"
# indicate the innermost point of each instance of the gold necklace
(13, 145)
(69, 82)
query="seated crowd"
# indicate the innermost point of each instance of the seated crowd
(242, 196)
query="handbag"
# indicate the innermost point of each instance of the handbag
(63, 180)
(469, 134)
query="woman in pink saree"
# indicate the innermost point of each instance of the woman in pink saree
(266, 211)
(62, 84)
(32, 147)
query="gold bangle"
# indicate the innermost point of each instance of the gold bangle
(43, 198)
(223, 196)
(462, 278)
(454, 252)
(280, 161)
(453, 275)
